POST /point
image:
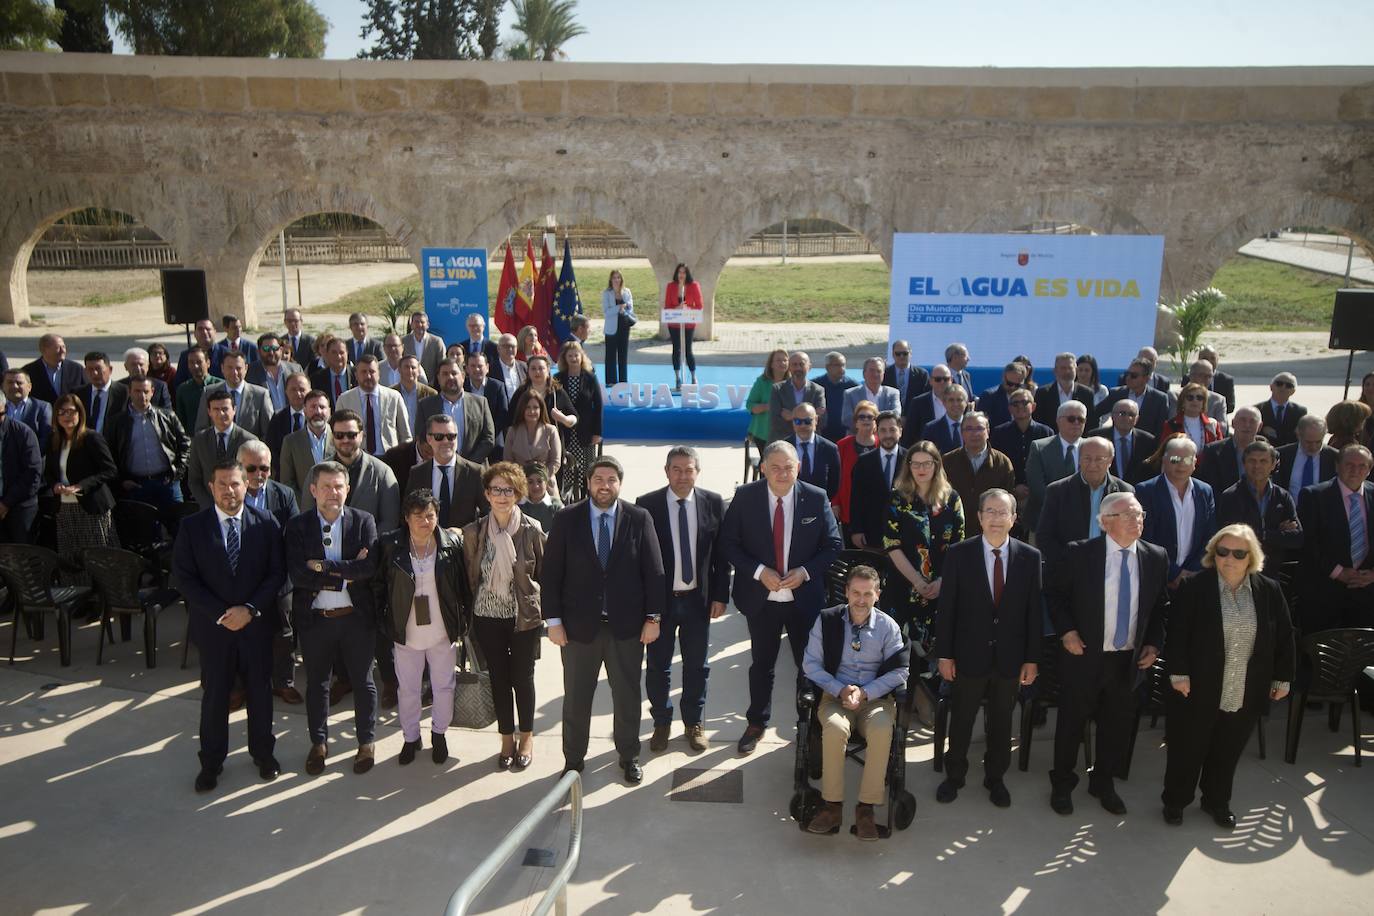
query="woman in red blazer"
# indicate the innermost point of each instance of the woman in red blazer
(682, 292)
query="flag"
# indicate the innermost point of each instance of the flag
(544, 290)
(567, 302)
(507, 295)
(524, 298)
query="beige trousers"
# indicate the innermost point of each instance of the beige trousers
(874, 720)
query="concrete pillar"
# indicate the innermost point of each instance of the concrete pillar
(231, 289)
(14, 291)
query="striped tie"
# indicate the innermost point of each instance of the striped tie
(1359, 543)
(231, 544)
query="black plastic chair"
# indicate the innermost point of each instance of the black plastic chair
(1044, 694)
(141, 529)
(29, 573)
(1156, 689)
(117, 576)
(1338, 659)
(752, 470)
(844, 562)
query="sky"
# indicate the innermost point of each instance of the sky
(952, 33)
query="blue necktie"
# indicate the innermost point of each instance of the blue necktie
(684, 538)
(1123, 603)
(603, 541)
(1359, 544)
(1307, 472)
(806, 461)
(95, 409)
(231, 544)
(1125, 455)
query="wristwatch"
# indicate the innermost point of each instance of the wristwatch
(655, 618)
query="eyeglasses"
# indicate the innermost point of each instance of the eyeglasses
(449, 437)
(1075, 419)
(67, 411)
(801, 422)
(254, 468)
(1284, 385)
(1011, 384)
(1136, 516)
(501, 491)
(346, 435)
(995, 513)
(1240, 553)
(1195, 397)
(942, 378)
(923, 465)
(1124, 413)
(1021, 403)
(864, 418)
(1183, 459)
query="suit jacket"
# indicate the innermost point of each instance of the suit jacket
(221, 347)
(162, 395)
(994, 403)
(1046, 464)
(870, 495)
(374, 492)
(575, 589)
(1225, 385)
(304, 543)
(401, 458)
(479, 430)
(368, 346)
(1220, 465)
(1047, 402)
(281, 502)
(394, 420)
(1142, 447)
(1161, 528)
(1078, 602)
(498, 371)
(964, 381)
(302, 348)
(1196, 642)
(90, 467)
(784, 399)
(888, 399)
(494, 393)
(200, 463)
(995, 472)
(296, 459)
(710, 569)
(37, 416)
(278, 428)
(1236, 505)
(321, 379)
(939, 432)
(487, 347)
(176, 445)
(115, 400)
(1280, 434)
(825, 464)
(917, 382)
(1326, 531)
(1016, 445)
(918, 411)
(467, 501)
(21, 463)
(417, 420)
(201, 573)
(1288, 460)
(1154, 409)
(986, 639)
(71, 376)
(1064, 516)
(254, 412)
(430, 353)
(747, 540)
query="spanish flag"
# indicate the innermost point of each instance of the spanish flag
(524, 297)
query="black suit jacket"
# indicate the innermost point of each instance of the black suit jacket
(200, 571)
(495, 395)
(368, 346)
(1288, 459)
(1142, 447)
(1158, 381)
(1280, 434)
(1047, 402)
(22, 464)
(118, 396)
(72, 375)
(918, 411)
(489, 350)
(711, 571)
(747, 538)
(1236, 505)
(994, 403)
(1016, 445)
(575, 589)
(987, 640)
(304, 543)
(320, 379)
(1326, 531)
(1064, 515)
(401, 458)
(278, 428)
(1219, 465)
(91, 467)
(1154, 410)
(281, 502)
(940, 432)
(870, 495)
(467, 501)
(825, 464)
(176, 445)
(917, 382)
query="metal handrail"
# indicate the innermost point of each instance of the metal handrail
(557, 894)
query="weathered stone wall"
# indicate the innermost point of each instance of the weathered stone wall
(217, 155)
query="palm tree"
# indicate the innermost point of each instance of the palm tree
(547, 26)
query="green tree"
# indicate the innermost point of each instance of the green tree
(222, 28)
(28, 25)
(83, 27)
(428, 29)
(489, 26)
(547, 25)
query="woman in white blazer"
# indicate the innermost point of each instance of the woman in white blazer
(618, 307)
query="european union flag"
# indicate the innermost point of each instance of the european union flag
(566, 302)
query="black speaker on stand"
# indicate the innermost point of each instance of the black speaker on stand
(1352, 326)
(185, 300)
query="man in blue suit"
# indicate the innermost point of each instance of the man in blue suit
(228, 566)
(780, 536)
(1180, 512)
(21, 469)
(944, 432)
(819, 457)
(33, 413)
(279, 501)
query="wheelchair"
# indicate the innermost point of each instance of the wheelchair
(806, 799)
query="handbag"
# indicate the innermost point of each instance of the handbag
(473, 706)
(626, 318)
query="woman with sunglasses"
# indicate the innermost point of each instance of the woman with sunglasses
(505, 558)
(1191, 418)
(78, 472)
(852, 447)
(1230, 652)
(924, 518)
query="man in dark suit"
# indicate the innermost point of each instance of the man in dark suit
(213, 445)
(471, 415)
(52, 374)
(454, 481)
(1222, 383)
(1149, 358)
(995, 403)
(780, 536)
(1167, 527)
(1338, 530)
(957, 358)
(480, 384)
(102, 399)
(945, 432)
(227, 565)
(1266, 507)
(1055, 458)
(1306, 461)
(359, 343)
(1108, 604)
(1131, 446)
(404, 457)
(151, 450)
(791, 391)
(603, 592)
(1222, 464)
(1065, 388)
(136, 361)
(929, 405)
(477, 341)
(1152, 404)
(21, 473)
(328, 559)
(302, 344)
(291, 418)
(975, 467)
(1071, 504)
(337, 375)
(871, 481)
(1014, 440)
(23, 408)
(1280, 414)
(988, 639)
(820, 458)
(233, 342)
(909, 380)
(266, 495)
(696, 579)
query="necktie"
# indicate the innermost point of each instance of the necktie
(901, 382)
(95, 408)
(338, 386)
(779, 556)
(603, 541)
(887, 470)
(1123, 603)
(998, 579)
(1307, 472)
(234, 397)
(1068, 459)
(954, 433)
(684, 538)
(231, 544)
(806, 460)
(1278, 415)
(223, 444)
(445, 498)
(1125, 455)
(1359, 543)
(295, 422)
(371, 426)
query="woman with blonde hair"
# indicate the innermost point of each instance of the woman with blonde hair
(924, 518)
(1345, 423)
(576, 378)
(618, 309)
(774, 371)
(863, 440)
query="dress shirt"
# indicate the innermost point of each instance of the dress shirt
(338, 380)
(1183, 517)
(798, 394)
(1193, 427)
(956, 435)
(411, 399)
(237, 395)
(317, 443)
(224, 525)
(510, 380)
(436, 479)
(389, 377)
(938, 409)
(276, 387)
(805, 446)
(1139, 399)
(1346, 493)
(1064, 445)
(146, 457)
(1261, 499)
(883, 455)
(902, 376)
(97, 422)
(355, 349)
(257, 500)
(789, 511)
(1119, 458)
(691, 503)
(331, 535)
(371, 398)
(1300, 461)
(62, 477)
(978, 459)
(879, 639)
(296, 422)
(455, 410)
(989, 559)
(1094, 504)
(1064, 396)
(596, 514)
(1111, 590)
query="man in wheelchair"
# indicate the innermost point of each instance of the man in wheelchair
(857, 658)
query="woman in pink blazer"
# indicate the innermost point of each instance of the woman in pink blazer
(682, 292)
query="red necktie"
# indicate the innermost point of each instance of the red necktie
(779, 557)
(338, 387)
(997, 579)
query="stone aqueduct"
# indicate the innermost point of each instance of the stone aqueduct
(217, 155)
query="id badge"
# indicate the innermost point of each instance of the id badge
(422, 610)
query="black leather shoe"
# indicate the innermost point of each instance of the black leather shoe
(1173, 816)
(571, 768)
(947, 792)
(268, 768)
(408, 752)
(750, 739)
(634, 773)
(207, 779)
(1062, 803)
(438, 748)
(997, 791)
(1111, 802)
(1223, 816)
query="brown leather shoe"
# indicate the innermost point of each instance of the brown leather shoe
(365, 758)
(338, 690)
(314, 761)
(864, 826)
(236, 699)
(388, 697)
(696, 737)
(658, 742)
(289, 695)
(828, 819)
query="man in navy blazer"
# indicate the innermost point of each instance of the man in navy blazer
(1339, 570)
(1306, 461)
(22, 466)
(909, 380)
(696, 579)
(279, 501)
(33, 413)
(52, 373)
(995, 403)
(1153, 404)
(945, 432)
(227, 563)
(1162, 523)
(819, 457)
(929, 405)
(781, 537)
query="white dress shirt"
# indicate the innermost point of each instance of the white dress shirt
(1064, 445)
(989, 560)
(691, 504)
(436, 479)
(1111, 587)
(1183, 518)
(883, 455)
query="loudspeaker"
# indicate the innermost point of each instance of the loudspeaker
(1352, 320)
(184, 299)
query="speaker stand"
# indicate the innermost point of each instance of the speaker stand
(1349, 367)
(188, 346)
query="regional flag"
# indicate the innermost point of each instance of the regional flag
(567, 302)
(507, 294)
(524, 299)
(544, 290)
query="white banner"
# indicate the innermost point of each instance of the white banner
(1038, 295)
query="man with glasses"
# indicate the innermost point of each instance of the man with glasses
(1054, 458)
(834, 382)
(1307, 461)
(1131, 445)
(1223, 463)
(385, 421)
(1152, 405)
(252, 405)
(455, 481)
(266, 495)
(872, 390)
(791, 391)
(871, 483)
(270, 371)
(1110, 630)
(1262, 504)
(909, 380)
(306, 447)
(1149, 357)
(1014, 439)
(393, 351)
(1048, 398)
(1338, 525)
(988, 635)
(1201, 373)
(926, 406)
(1180, 512)
(371, 485)
(471, 415)
(1071, 508)
(995, 402)
(1222, 383)
(214, 444)
(819, 457)
(1280, 414)
(975, 467)
(945, 431)
(508, 370)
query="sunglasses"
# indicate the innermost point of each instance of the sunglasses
(327, 539)
(801, 422)
(443, 437)
(268, 348)
(254, 468)
(901, 352)
(1182, 459)
(855, 640)
(1020, 403)
(1240, 553)
(1284, 385)
(501, 491)
(346, 435)
(1195, 397)
(1134, 375)
(864, 418)
(1075, 420)
(942, 378)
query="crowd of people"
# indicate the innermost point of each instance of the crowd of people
(326, 500)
